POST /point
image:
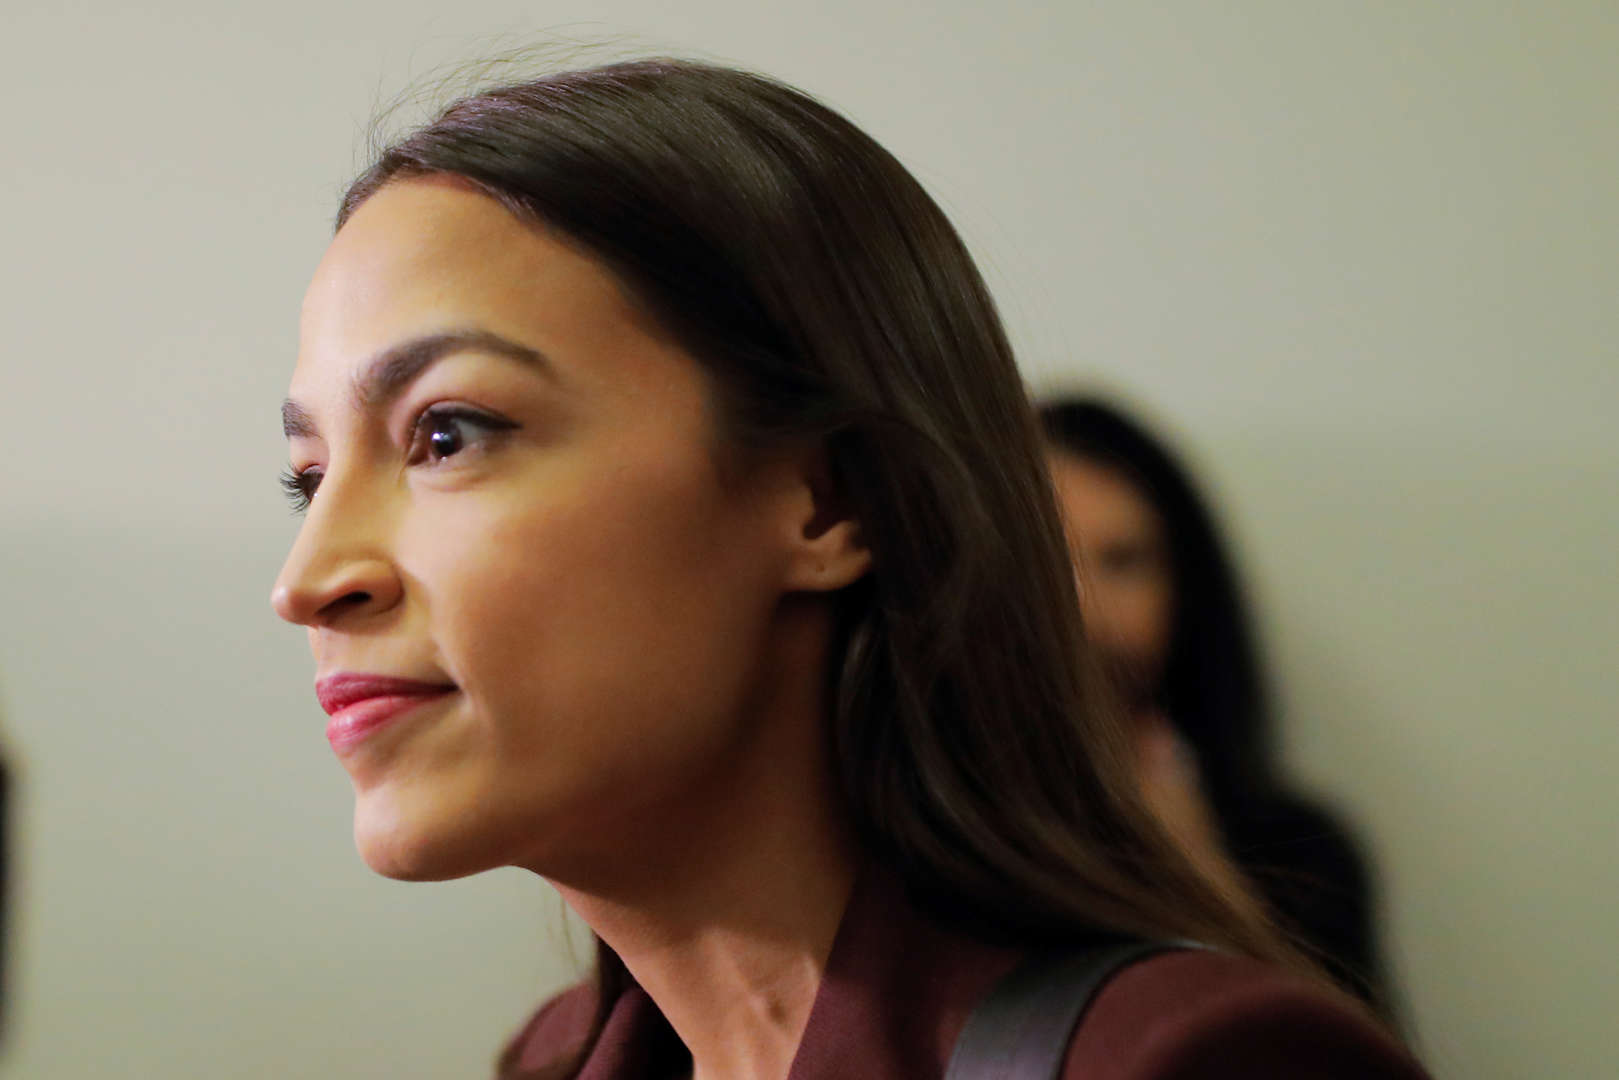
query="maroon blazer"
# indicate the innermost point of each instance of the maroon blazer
(898, 988)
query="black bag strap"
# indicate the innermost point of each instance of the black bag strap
(1022, 1028)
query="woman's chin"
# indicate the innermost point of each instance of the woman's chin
(411, 851)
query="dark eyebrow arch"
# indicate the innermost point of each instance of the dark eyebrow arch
(296, 423)
(389, 372)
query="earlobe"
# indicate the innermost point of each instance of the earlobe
(829, 547)
(833, 558)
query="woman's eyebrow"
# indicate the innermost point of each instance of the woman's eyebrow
(388, 373)
(296, 423)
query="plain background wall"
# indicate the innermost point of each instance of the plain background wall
(1360, 257)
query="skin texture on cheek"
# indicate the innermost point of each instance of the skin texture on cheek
(601, 638)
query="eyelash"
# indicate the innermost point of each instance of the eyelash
(300, 486)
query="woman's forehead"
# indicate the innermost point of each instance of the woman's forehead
(419, 247)
(1099, 496)
(424, 262)
(424, 257)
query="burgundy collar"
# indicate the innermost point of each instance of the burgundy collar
(896, 991)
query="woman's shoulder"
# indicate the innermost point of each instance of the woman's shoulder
(1189, 1015)
(1198, 1015)
(556, 1030)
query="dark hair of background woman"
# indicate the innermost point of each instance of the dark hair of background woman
(1213, 691)
(830, 301)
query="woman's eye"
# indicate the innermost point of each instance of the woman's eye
(300, 487)
(444, 432)
(1132, 558)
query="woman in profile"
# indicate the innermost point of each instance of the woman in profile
(1165, 614)
(678, 529)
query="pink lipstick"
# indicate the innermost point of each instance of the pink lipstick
(361, 704)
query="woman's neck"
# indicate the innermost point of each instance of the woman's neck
(731, 949)
(725, 911)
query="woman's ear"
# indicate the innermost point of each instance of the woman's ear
(827, 549)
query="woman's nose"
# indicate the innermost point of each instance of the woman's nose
(339, 569)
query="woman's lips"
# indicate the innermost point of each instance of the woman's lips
(360, 704)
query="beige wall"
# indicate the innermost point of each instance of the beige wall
(1361, 257)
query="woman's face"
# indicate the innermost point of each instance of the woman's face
(1121, 556)
(517, 511)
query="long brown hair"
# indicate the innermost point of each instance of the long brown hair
(828, 297)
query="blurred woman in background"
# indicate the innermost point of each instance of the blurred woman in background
(1165, 614)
